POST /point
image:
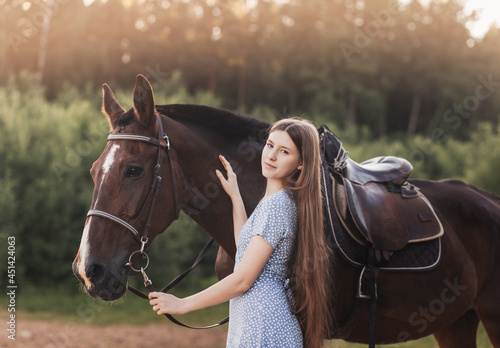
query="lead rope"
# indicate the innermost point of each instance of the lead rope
(149, 285)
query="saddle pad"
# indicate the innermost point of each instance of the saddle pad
(421, 256)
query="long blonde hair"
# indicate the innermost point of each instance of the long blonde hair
(309, 267)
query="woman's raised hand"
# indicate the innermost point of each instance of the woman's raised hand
(230, 185)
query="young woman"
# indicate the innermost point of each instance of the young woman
(281, 249)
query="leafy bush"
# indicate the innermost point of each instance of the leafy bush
(47, 149)
(483, 160)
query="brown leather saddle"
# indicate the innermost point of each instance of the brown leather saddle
(374, 201)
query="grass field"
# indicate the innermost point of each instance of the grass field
(60, 305)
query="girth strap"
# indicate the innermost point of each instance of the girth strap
(373, 299)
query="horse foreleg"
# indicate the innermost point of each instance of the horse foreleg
(461, 333)
(224, 264)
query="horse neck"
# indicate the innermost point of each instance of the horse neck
(195, 153)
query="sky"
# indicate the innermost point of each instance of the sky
(488, 12)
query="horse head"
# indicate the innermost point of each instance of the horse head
(126, 179)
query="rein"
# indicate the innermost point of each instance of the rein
(163, 143)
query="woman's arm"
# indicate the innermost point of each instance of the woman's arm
(249, 268)
(231, 187)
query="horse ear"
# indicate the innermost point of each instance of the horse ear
(144, 101)
(110, 107)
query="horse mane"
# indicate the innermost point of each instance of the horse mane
(229, 123)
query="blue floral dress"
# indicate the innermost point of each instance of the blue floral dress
(262, 316)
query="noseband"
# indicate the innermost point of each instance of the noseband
(163, 144)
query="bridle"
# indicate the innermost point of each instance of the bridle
(163, 144)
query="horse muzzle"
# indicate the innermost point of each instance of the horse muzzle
(102, 282)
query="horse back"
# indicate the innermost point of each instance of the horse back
(472, 215)
(472, 203)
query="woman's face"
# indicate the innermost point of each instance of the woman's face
(280, 157)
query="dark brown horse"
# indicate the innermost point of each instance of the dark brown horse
(448, 302)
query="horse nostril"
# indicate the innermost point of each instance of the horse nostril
(95, 273)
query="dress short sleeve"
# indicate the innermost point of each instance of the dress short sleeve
(274, 218)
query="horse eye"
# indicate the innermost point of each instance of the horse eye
(133, 172)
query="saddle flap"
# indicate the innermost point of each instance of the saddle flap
(378, 214)
(390, 220)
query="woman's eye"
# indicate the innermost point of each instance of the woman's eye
(269, 145)
(133, 172)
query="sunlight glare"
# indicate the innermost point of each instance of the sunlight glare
(127, 3)
(488, 13)
(216, 34)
